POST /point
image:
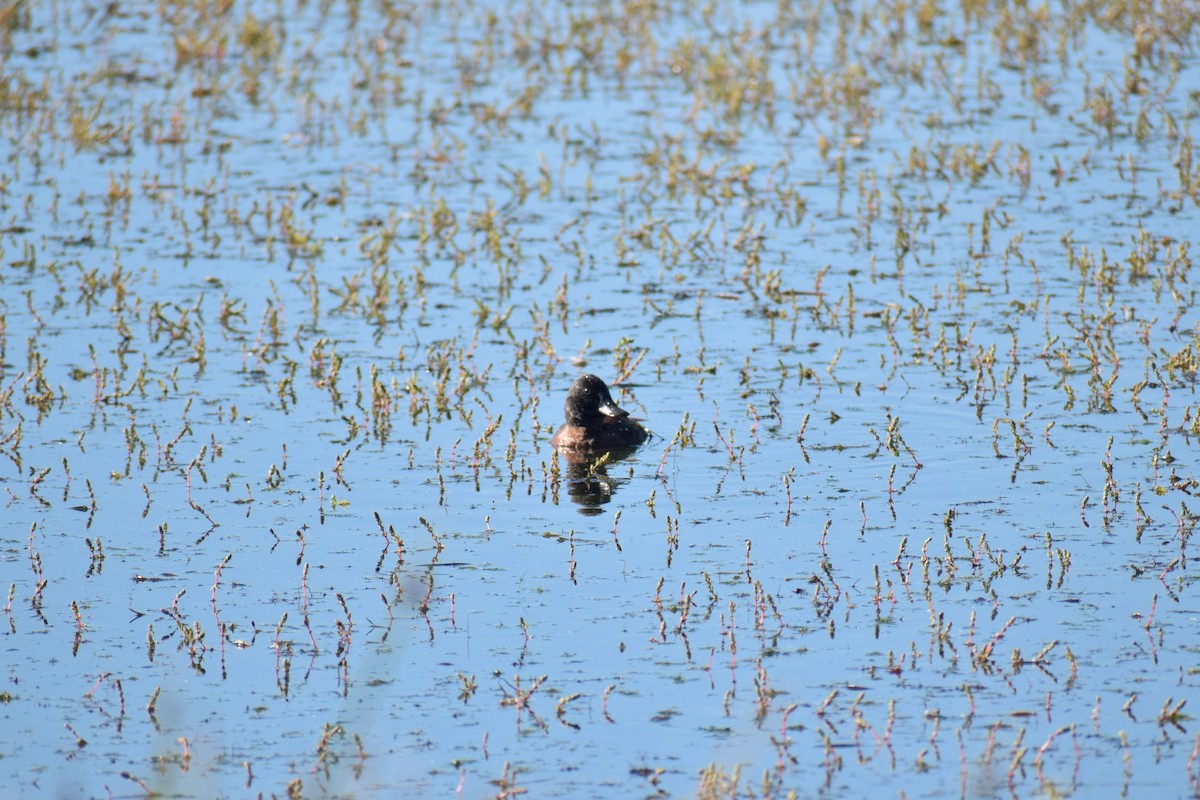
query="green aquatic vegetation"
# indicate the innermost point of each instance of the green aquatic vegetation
(348, 259)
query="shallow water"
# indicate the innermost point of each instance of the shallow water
(291, 299)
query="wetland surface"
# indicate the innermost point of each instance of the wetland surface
(291, 294)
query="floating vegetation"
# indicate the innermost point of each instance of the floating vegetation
(291, 295)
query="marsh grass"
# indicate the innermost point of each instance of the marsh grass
(904, 292)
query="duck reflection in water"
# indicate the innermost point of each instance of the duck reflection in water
(597, 433)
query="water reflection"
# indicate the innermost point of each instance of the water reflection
(588, 482)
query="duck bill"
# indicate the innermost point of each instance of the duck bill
(611, 409)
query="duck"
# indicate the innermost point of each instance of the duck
(594, 421)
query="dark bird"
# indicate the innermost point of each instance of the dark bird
(594, 422)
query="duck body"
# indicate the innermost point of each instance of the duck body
(594, 421)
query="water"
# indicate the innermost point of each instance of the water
(292, 298)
